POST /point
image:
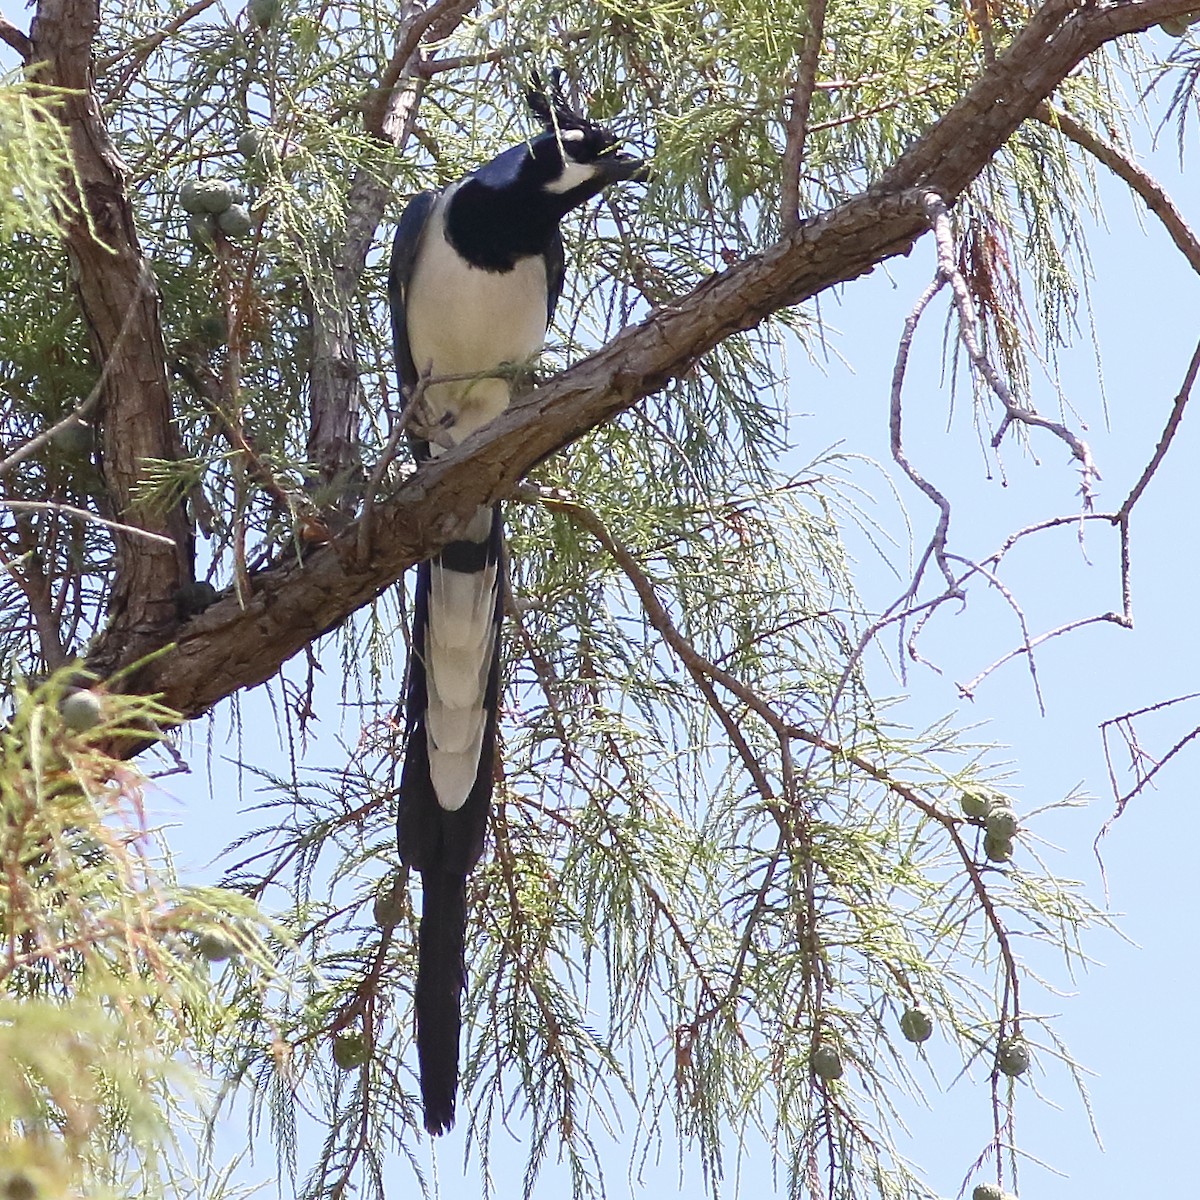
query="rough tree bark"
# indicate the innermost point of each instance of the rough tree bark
(119, 299)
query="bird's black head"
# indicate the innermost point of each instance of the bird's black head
(510, 207)
(575, 159)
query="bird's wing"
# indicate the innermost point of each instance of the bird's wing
(556, 271)
(503, 171)
(404, 257)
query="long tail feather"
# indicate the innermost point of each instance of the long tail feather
(441, 977)
(446, 784)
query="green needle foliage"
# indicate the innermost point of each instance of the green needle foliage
(721, 869)
(36, 165)
(106, 999)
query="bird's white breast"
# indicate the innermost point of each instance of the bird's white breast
(464, 321)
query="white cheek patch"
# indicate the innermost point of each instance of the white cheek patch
(573, 175)
(573, 135)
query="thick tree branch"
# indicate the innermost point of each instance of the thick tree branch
(119, 299)
(228, 648)
(1059, 36)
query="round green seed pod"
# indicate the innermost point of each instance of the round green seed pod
(249, 144)
(1002, 822)
(189, 196)
(349, 1050)
(258, 147)
(997, 849)
(388, 909)
(202, 229)
(1013, 1056)
(81, 710)
(975, 804)
(215, 947)
(215, 195)
(989, 1191)
(916, 1025)
(1174, 26)
(827, 1062)
(235, 221)
(263, 12)
(73, 440)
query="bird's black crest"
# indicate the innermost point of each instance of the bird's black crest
(550, 105)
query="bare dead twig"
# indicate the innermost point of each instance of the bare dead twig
(1143, 776)
(1040, 527)
(1164, 441)
(1030, 643)
(937, 544)
(81, 514)
(1027, 644)
(903, 607)
(1013, 412)
(936, 550)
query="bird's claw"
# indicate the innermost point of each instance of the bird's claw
(429, 426)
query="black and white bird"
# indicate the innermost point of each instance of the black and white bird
(476, 271)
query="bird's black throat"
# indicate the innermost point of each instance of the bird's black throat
(493, 229)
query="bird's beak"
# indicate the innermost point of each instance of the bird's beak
(620, 166)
